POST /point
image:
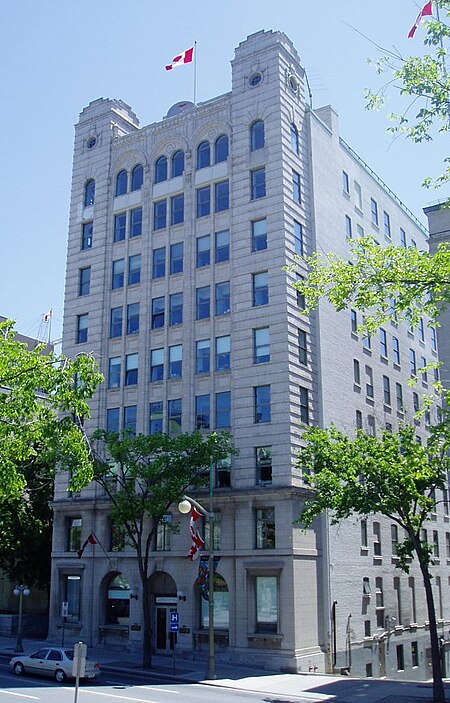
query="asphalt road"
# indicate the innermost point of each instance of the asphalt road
(117, 688)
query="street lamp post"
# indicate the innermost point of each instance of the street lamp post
(185, 506)
(20, 591)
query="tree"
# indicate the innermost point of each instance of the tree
(143, 476)
(43, 402)
(392, 475)
(426, 80)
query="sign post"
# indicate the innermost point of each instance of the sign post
(64, 614)
(174, 628)
(79, 665)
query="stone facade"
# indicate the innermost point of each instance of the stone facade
(280, 188)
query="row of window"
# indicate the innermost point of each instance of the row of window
(383, 343)
(262, 412)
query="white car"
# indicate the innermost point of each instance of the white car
(55, 662)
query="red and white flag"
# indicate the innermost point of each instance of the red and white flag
(89, 540)
(47, 316)
(197, 540)
(184, 57)
(425, 11)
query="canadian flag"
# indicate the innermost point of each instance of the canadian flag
(184, 57)
(425, 11)
(89, 540)
(197, 541)
(47, 316)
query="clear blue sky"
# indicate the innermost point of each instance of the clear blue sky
(58, 55)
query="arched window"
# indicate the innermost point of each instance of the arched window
(177, 163)
(137, 177)
(203, 155)
(121, 183)
(221, 149)
(89, 192)
(257, 135)
(118, 601)
(161, 169)
(221, 605)
(294, 139)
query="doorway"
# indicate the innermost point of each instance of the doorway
(164, 639)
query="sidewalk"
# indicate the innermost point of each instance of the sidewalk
(313, 687)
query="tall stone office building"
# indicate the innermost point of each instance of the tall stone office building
(179, 235)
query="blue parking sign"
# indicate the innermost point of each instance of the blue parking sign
(174, 621)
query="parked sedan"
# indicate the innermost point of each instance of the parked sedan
(55, 662)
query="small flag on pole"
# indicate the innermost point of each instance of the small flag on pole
(197, 541)
(425, 11)
(89, 540)
(47, 316)
(181, 59)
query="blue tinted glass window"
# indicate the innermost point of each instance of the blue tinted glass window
(203, 155)
(134, 269)
(137, 177)
(121, 183)
(260, 289)
(176, 309)
(223, 409)
(158, 313)
(174, 411)
(262, 404)
(176, 257)
(221, 196)
(223, 298)
(202, 412)
(157, 364)
(159, 262)
(223, 353)
(113, 420)
(203, 201)
(82, 328)
(84, 283)
(159, 214)
(177, 163)
(86, 238)
(259, 235)
(257, 135)
(161, 169)
(221, 149)
(203, 356)
(130, 419)
(177, 209)
(202, 303)
(258, 183)
(203, 251)
(156, 418)
(89, 192)
(116, 322)
(118, 274)
(133, 318)
(114, 372)
(136, 222)
(120, 227)
(222, 251)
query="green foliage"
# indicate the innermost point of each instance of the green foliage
(426, 80)
(43, 401)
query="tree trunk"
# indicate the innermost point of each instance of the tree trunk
(147, 619)
(438, 686)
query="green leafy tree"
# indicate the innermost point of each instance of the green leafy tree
(43, 402)
(392, 475)
(143, 476)
(425, 82)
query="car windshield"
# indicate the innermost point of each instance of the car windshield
(69, 654)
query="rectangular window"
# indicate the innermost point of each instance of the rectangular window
(374, 211)
(116, 322)
(176, 309)
(155, 425)
(364, 540)
(223, 298)
(412, 362)
(266, 588)
(159, 262)
(383, 343)
(71, 588)
(222, 246)
(302, 348)
(396, 350)
(262, 404)
(120, 227)
(260, 286)
(133, 318)
(348, 227)
(82, 328)
(421, 330)
(298, 238)
(176, 257)
(304, 405)
(416, 405)
(136, 222)
(223, 353)
(358, 191)
(113, 420)
(202, 303)
(436, 544)
(394, 539)
(263, 458)
(176, 361)
(261, 345)
(134, 269)
(259, 235)
(114, 372)
(203, 251)
(356, 372)
(74, 534)
(377, 539)
(174, 412)
(265, 528)
(258, 183)
(371, 425)
(414, 654)
(345, 183)
(223, 409)
(86, 235)
(386, 390)
(423, 365)
(447, 544)
(160, 214)
(221, 196)
(163, 532)
(156, 364)
(402, 237)
(359, 420)
(217, 542)
(387, 225)
(223, 472)
(433, 338)
(131, 369)
(177, 209)
(399, 397)
(296, 188)
(400, 658)
(118, 274)
(367, 341)
(202, 412)
(369, 382)
(84, 281)
(354, 321)
(158, 309)
(203, 201)
(130, 419)
(300, 298)
(203, 356)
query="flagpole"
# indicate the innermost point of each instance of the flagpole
(50, 326)
(195, 72)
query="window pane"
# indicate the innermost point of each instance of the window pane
(223, 298)
(203, 356)
(221, 196)
(161, 169)
(262, 404)
(258, 183)
(203, 201)
(176, 309)
(177, 163)
(159, 214)
(223, 348)
(260, 289)
(159, 262)
(202, 412)
(257, 135)
(157, 364)
(177, 210)
(203, 155)
(137, 177)
(266, 604)
(203, 251)
(221, 149)
(133, 318)
(222, 246)
(158, 313)
(120, 227)
(176, 258)
(86, 239)
(223, 409)
(259, 235)
(136, 222)
(134, 269)
(121, 183)
(118, 274)
(261, 345)
(155, 418)
(202, 303)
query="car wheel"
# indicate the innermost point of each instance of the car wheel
(60, 676)
(19, 669)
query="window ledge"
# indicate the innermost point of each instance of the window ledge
(397, 367)
(264, 636)
(377, 559)
(364, 552)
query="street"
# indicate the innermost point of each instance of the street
(113, 688)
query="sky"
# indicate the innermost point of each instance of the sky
(56, 56)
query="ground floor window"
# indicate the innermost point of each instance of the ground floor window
(118, 601)
(71, 591)
(266, 603)
(221, 605)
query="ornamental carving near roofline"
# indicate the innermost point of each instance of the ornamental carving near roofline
(128, 161)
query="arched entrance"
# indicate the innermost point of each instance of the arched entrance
(163, 601)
